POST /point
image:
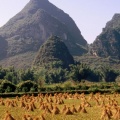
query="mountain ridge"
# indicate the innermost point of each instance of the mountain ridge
(108, 42)
(20, 27)
(33, 25)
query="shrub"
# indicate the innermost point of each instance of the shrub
(78, 87)
(57, 88)
(7, 86)
(101, 86)
(115, 87)
(9, 89)
(84, 87)
(49, 89)
(93, 89)
(25, 89)
(27, 86)
(67, 84)
(1, 90)
(117, 79)
(41, 89)
(32, 89)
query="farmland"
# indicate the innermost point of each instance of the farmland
(61, 106)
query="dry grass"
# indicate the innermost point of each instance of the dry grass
(62, 107)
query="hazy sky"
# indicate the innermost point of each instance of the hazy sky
(89, 15)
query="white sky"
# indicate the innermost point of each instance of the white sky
(89, 15)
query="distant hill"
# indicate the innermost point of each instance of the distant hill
(53, 51)
(108, 42)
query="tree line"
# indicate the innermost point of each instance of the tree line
(54, 73)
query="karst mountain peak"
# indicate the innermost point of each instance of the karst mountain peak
(32, 26)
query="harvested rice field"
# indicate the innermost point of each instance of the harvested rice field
(62, 106)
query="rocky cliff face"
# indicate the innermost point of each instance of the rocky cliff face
(53, 51)
(30, 28)
(3, 47)
(114, 23)
(108, 42)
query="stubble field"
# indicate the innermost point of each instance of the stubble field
(62, 106)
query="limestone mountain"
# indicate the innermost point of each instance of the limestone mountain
(3, 47)
(38, 20)
(108, 42)
(53, 51)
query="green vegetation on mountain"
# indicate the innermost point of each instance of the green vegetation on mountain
(54, 52)
(96, 62)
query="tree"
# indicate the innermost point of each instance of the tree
(2, 73)
(26, 86)
(108, 75)
(56, 76)
(7, 86)
(11, 75)
(26, 75)
(79, 71)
